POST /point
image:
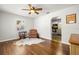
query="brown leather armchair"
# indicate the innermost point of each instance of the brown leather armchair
(33, 33)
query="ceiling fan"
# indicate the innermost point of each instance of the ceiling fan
(33, 9)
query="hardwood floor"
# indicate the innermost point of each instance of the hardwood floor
(45, 48)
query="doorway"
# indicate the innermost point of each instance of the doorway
(56, 29)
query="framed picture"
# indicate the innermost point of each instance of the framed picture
(20, 25)
(70, 19)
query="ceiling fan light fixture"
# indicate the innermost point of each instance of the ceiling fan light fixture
(32, 11)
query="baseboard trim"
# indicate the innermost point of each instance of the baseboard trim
(8, 39)
(66, 43)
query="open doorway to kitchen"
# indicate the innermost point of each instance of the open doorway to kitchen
(56, 29)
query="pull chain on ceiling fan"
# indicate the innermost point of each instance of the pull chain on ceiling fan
(33, 9)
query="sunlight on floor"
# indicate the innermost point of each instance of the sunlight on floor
(59, 50)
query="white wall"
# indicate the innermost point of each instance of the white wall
(8, 25)
(43, 23)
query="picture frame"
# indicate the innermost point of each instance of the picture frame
(19, 25)
(71, 19)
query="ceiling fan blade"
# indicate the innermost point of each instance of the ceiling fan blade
(30, 6)
(25, 9)
(36, 12)
(29, 12)
(38, 9)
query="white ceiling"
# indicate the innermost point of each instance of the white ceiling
(17, 8)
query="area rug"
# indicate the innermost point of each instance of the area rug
(29, 41)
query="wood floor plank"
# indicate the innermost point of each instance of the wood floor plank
(45, 48)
